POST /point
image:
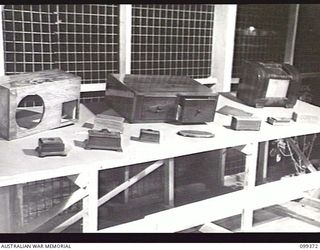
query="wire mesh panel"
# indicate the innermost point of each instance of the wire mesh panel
(88, 40)
(307, 51)
(261, 32)
(80, 39)
(27, 38)
(172, 39)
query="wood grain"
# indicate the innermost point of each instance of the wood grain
(55, 87)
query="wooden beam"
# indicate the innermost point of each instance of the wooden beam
(213, 228)
(110, 195)
(5, 211)
(291, 33)
(125, 25)
(129, 182)
(249, 184)
(221, 166)
(169, 182)
(222, 45)
(222, 206)
(297, 211)
(90, 203)
(310, 201)
(262, 168)
(81, 180)
(2, 59)
(16, 206)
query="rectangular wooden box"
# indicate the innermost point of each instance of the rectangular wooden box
(57, 91)
(245, 123)
(151, 98)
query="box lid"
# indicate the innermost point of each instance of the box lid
(160, 84)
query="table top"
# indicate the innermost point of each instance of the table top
(19, 163)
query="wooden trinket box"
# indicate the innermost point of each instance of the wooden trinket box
(51, 146)
(152, 98)
(38, 101)
(103, 139)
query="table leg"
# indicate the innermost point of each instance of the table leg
(262, 162)
(221, 167)
(169, 182)
(90, 203)
(251, 153)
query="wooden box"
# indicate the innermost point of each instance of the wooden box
(153, 98)
(245, 123)
(38, 101)
(269, 84)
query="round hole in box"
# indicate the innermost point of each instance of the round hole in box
(29, 111)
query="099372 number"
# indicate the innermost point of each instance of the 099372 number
(309, 245)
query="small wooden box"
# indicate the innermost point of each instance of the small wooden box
(245, 123)
(58, 92)
(103, 139)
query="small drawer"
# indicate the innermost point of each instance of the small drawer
(196, 109)
(158, 108)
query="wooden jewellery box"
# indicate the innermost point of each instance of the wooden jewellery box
(154, 98)
(38, 101)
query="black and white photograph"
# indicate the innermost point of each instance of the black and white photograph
(201, 120)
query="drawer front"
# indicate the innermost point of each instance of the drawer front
(196, 110)
(158, 108)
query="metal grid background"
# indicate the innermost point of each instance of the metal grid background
(307, 50)
(28, 38)
(80, 39)
(266, 42)
(172, 39)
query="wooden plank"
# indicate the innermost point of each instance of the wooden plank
(90, 204)
(125, 21)
(169, 182)
(291, 33)
(297, 211)
(40, 220)
(68, 222)
(213, 228)
(262, 168)
(2, 60)
(16, 207)
(311, 201)
(223, 206)
(222, 45)
(221, 166)
(130, 182)
(80, 180)
(126, 178)
(5, 211)
(249, 184)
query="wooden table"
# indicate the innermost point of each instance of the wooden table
(19, 164)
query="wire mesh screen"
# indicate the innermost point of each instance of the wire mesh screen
(172, 39)
(27, 38)
(307, 51)
(261, 31)
(88, 40)
(41, 196)
(80, 39)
